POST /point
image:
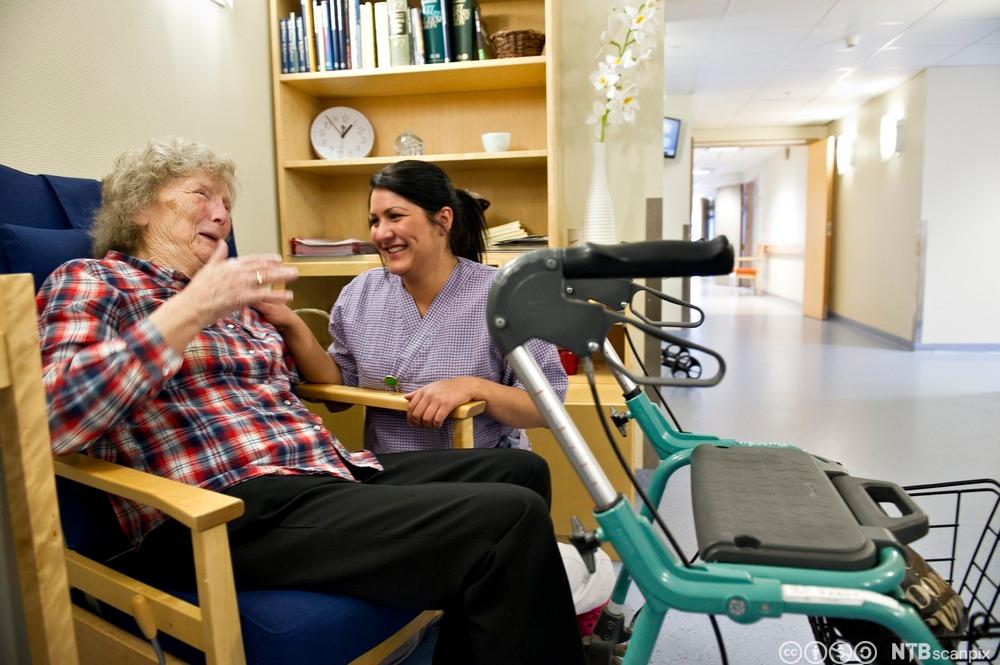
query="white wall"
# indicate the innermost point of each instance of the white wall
(876, 232)
(83, 81)
(728, 213)
(677, 208)
(781, 219)
(961, 206)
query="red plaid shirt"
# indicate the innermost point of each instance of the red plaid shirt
(218, 415)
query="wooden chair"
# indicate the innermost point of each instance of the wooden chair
(212, 623)
(28, 483)
(749, 268)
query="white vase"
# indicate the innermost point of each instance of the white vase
(598, 215)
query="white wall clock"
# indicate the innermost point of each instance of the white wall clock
(341, 132)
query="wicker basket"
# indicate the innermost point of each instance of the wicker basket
(517, 43)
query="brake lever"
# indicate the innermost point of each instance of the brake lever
(656, 332)
(617, 294)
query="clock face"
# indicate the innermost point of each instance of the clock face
(341, 133)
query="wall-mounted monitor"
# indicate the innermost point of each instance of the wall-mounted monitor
(671, 135)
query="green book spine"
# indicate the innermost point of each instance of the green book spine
(433, 31)
(463, 26)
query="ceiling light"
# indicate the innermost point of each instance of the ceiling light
(845, 154)
(890, 136)
(702, 172)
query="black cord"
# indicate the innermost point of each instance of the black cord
(588, 367)
(718, 639)
(656, 390)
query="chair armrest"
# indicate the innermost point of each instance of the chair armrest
(197, 508)
(383, 399)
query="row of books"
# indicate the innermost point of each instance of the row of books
(513, 236)
(331, 35)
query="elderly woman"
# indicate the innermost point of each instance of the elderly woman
(166, 356)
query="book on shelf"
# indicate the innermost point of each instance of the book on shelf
(354, 33)
(300, 41)
(327, 247)
(520, 244)
(367, 22)
(446, 19)
(400, 49)
(508, 231)
(309, 35)
(417, 36)
(382, 33)
(286, 57)
(463, 42)
(320, 27)
(484, 48)
(430, 13)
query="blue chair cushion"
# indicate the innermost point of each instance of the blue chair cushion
(40, 251)
(290, 627)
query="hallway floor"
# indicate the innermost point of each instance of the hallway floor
(885, 412)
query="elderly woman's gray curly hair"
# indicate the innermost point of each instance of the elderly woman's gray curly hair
(136, 181)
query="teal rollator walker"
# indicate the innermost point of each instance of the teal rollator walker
(779, 531)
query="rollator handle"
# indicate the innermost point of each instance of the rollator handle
(652, 258)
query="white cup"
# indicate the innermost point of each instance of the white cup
(496, 141)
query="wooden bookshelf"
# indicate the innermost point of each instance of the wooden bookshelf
(449, 106)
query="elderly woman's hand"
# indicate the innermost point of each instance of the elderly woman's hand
(224, 284)
(220, 287)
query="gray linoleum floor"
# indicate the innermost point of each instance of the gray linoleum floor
(884, 412)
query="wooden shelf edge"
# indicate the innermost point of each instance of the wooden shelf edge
(497, 74)
(463, 161)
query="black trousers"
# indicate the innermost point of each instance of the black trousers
(466, 531)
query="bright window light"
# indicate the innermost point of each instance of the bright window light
(889, 139)
(845, 153)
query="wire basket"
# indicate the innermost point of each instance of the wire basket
(517, 43)
(962, 546)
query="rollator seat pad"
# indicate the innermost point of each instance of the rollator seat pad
(773, 506)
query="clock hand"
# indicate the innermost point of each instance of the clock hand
(343, 132)
(330, 122)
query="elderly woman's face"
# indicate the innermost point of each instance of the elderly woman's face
(187, 222)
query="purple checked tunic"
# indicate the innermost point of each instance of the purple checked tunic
(378, 332)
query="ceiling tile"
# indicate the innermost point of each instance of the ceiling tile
(712, 120)
(867, 12)
(694, 10)
(977, 55)
(757, 40)
(912, 58)
(776, 12)
(833, 59)
(867, 37)
(790, 93)
(710, 80)
(965, 9)
(947, 33)
(992, 38)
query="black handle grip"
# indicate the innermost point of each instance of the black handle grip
(652, 258)
(863, 497)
